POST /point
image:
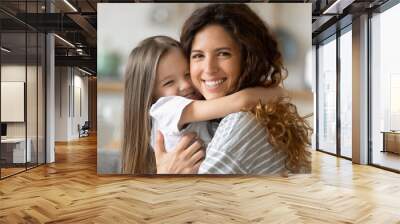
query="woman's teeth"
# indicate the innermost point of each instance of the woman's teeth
(213, 84)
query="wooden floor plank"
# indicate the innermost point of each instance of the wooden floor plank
(70, 191)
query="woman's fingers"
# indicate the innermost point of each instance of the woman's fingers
(159, 147)
(193, 148)
(186, 140)
(197, 156)
(195, 168)
(186, 158)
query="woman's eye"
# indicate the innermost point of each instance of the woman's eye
(197, 56)
(224, 53)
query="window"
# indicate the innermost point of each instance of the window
(327, 96)
(346, 93)
(385, 89)
(22, 65)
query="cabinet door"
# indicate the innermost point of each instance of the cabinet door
(392, 142)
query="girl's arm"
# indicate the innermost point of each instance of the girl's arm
(203, 110)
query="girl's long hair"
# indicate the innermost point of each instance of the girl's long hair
(140, 76)
(261, 64)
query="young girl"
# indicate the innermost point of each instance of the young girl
(159, 95)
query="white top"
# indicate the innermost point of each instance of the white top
(165, 115)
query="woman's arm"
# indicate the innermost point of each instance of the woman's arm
(203, 110)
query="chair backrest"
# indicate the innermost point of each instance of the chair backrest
(86, 125)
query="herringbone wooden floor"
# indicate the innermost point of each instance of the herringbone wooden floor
(70, 191)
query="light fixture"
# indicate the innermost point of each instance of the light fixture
(5, 49)
(84, 71)
(70, 5)
(337, 7)
(65, 41)
(80, 51)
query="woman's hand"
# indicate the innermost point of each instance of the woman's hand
(184, 159)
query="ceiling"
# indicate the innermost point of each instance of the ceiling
(76, 22)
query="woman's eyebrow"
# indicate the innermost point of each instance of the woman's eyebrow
(196, 51)
(223, 48)
(217, 49)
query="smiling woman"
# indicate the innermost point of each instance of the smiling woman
(230, 48)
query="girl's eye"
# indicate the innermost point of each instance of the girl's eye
(187, 75)
(168, 83)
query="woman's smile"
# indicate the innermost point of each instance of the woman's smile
(213, 84)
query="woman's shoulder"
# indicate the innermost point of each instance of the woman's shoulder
(238, 118)
(235, 117)
(239, 121)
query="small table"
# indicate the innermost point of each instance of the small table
(16, 148)
(391, 141)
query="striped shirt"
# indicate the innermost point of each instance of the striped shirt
(240, 146)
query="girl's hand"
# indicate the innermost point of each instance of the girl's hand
(184, 159)
(251, 96)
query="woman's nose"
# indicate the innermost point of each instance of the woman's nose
(211, 65)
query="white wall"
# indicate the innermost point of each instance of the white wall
(79, 117)
(14, 73)
(61, 103)
(17, 73)
(70, 83)
(12, 101)
(33, 106)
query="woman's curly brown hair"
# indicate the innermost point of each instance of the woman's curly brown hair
(287, 131)
(261, 65)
